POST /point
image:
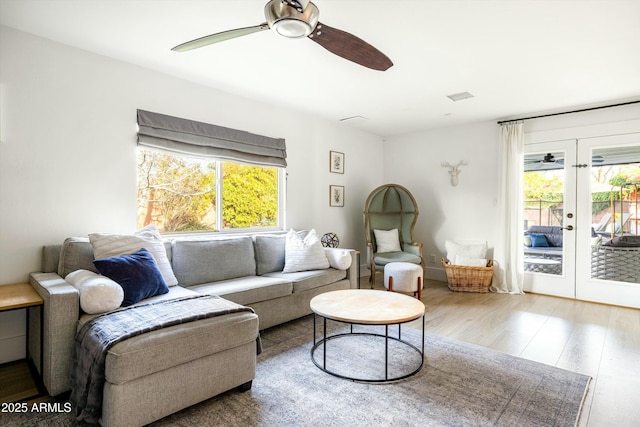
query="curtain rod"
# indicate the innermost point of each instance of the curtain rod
(569, 112)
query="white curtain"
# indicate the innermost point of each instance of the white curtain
(508, 274)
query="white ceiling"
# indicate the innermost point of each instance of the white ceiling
(517, 57)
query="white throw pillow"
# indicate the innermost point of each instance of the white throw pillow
(471, 250)
(98, 294)
(304, 254)
(110, 245)
(469, 261)
(387, 241)
(339, 259)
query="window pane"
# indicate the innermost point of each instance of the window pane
(544, 184)
(176, 193)
(249, 196)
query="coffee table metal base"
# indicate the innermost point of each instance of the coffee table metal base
(326, 338)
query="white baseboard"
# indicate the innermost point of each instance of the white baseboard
(433, 273)
(12, 349)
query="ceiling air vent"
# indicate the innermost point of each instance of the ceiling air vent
(459, 96)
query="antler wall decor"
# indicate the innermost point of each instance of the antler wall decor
(454, 171)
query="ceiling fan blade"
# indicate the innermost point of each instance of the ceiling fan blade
(219, 37)
(350, 47)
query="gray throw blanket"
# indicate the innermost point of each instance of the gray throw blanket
(101, 333)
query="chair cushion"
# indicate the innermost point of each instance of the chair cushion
(387, 240)
(624, 242)
(387, 257)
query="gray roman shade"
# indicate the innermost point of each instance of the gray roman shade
(184, 136)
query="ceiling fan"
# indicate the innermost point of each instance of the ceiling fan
(296, 19)
(550, 158)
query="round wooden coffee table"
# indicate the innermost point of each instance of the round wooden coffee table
(366, 307)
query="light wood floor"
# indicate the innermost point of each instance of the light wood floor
(594, 339)
(16, 382)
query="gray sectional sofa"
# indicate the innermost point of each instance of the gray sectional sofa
(157, 373)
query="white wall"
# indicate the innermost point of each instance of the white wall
(466, 211)
(68, 144)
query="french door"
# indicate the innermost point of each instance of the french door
(550, 218)
(582, 196)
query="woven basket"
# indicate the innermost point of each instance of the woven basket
(468, 279)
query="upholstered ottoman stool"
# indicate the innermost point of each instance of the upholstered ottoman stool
(403, 277)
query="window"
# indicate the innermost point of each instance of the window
(180, 193)
(196, 176)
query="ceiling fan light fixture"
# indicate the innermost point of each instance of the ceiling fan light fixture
(289, 22)
(292, 28)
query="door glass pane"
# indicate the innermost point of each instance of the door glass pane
(615, 209)
(543, 212)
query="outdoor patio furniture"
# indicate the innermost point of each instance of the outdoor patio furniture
(553, 237)
(621, 264)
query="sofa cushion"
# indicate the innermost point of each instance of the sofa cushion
(137, 273)
(338, 258)
(165, 348)
(303, 254)
(109, 245)
(553, 234)
(269, 253)
(538, 240)
(305, 280)
(247, 290)
(203, 261)
(76, 254)
(98, 294)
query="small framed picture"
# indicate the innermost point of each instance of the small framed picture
(336, 162)
(336, 195)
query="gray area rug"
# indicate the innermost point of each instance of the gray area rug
(459, 385)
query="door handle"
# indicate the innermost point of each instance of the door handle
(568, 227)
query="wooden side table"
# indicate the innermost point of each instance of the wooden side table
(23, 296)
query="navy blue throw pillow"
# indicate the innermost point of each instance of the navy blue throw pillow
(138, 274)
(539, 241)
